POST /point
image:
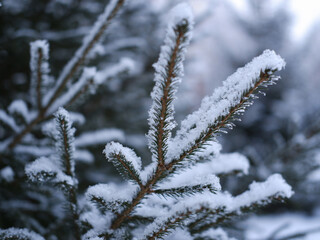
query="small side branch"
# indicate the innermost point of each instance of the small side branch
(169, 71)
(212, 130)
(125, 161)
(65, 144)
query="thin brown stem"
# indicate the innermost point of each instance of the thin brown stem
(165, 99)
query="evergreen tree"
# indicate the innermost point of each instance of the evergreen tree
(176, 194)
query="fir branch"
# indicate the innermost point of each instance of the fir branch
(267, 64)
(65, 144)
(162, 110)
(201, 141)
(222, 122)
(169, 70)
(65, 141)
(125, 161)
(185, 190)
(39, 66)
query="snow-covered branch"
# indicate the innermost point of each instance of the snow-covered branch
(169, 71)
(39, 66)
(217, 112)
(125, 160)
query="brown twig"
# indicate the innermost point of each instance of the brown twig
(165, 99)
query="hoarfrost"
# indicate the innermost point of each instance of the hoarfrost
(168, 74)
(223, 99)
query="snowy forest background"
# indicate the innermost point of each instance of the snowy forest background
(279, 133)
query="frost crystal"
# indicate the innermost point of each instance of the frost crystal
(168, 74)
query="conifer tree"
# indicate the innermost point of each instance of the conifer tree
(178, 193)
